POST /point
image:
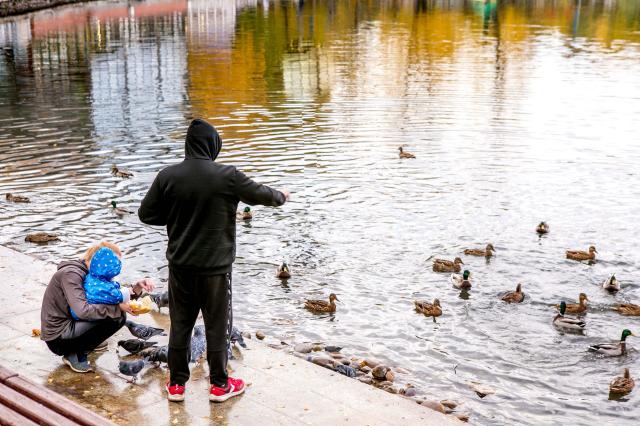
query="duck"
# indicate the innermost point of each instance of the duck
(613, 349)
(119, 210)
(622, 385)
(322, 305)
(12, 198)
(582, 255)
(442, 265)
(404, 154)
(487, 252)
(283, 271)
(611, 284)
(461, 281)
(568, 323)
(244, 214)
(577, 308)
(628, 309)
(514, 296)
(428, 309)
(542, 228)
(41, 237)
(121, 173)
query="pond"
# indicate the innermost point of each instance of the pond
(517, 112)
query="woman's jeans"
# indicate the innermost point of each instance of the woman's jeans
(84, 336)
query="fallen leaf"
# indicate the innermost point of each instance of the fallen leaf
(35, 332)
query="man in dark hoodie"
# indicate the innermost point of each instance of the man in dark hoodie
(197, 201)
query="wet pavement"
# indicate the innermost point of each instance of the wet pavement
(282, 389)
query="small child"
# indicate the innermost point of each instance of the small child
(99, 285)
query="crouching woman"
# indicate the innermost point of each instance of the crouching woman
(71, 326)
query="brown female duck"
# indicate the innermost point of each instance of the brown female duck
(41, 237)
(322, 305)
(582, 255)
(121, 173)
(442, 265)
(487, 252)
(622, 385)
(428, 309)
(283, 271)
(628, 309)
(577, 308)
(12, 198)
(514, 296)
(404, 154)
(542, 228)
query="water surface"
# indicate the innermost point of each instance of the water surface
(517, 112)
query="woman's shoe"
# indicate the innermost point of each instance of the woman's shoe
(76, 364)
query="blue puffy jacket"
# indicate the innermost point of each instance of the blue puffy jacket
(98, 284)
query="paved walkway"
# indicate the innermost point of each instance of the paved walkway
(283, 389)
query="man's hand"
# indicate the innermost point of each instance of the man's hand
(125, 307)
(145, 284)
(287, 194)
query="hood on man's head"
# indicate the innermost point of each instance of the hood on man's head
(203, 141)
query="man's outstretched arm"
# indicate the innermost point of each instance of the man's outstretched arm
(252, 193)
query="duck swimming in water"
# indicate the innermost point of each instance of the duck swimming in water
(514, 296)
(404, 154)
(441, 265)
(487, 252)
(611, 284)
(461, 281)
(577, 308)
(428, 309)
(121, 173)
(567, 323)
(582, 255)
(542, 228)
(244, 214)
(613, 349)
(283, 271)
(622, 385)
(628, 309)
(322, 305)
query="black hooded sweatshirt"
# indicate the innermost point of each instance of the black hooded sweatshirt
(197, 200)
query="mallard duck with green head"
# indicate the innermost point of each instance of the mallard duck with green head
(567, 323)
(442, 265)
(322, 305)
(463, 281)
(244, 214)
(120, 211)
(613, 349)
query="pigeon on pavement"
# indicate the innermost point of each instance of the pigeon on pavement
(134, 346)
(142, 331)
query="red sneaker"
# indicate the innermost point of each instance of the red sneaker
(234, 388)
(175, 393)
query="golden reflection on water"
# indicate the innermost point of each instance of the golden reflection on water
(518, 111)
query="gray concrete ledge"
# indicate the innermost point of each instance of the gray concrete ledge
(17, 7)
(282, 389)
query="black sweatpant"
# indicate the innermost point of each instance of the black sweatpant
(188, 294)
(84, 336)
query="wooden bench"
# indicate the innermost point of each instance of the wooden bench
(23, 402)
